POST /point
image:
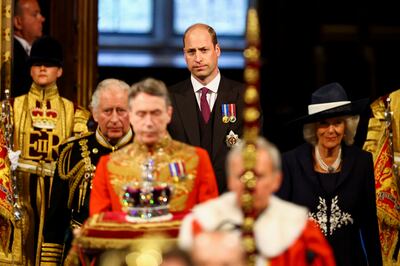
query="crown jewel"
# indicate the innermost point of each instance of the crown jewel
(44, 118)
(148, 199)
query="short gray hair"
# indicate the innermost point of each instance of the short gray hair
(261, 144)
(152, 87)
(351, 123)
(106, 85)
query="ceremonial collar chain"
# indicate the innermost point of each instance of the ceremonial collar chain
(328, 168)
(121, 142)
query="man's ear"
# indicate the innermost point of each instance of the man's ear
(277, 182)
(59, 72)
(218, 49)
(17, 22)
(94, 114)
(170, 110)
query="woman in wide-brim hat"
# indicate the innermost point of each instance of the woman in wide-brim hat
(334, 179)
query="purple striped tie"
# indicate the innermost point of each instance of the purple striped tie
(205, 107)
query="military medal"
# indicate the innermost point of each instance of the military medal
(232, 112)
(232, 139)
(225, 113)
(177, 170)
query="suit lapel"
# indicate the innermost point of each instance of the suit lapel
(347, 165)
(187, 108)
(220, 129)
(306, 162)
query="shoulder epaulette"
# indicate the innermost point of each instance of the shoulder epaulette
(81, 117)
(76, 137)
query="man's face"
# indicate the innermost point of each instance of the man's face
(112, 114)
(29, 22)
(149, 116)
(201, 55)
(267, 182)
(45, 75)
(217, 249)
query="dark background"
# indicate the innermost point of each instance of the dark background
(306, 44)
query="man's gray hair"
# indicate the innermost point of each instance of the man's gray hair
(261, 144)
(152, 87)
(351, 123)
(104, 86)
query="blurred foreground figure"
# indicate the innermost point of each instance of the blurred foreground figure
(218, 248)
(282, 231)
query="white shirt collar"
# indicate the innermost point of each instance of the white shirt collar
(27, 47)
(212, 86)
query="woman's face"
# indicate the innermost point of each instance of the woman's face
(330, 132)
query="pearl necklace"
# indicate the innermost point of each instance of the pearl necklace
(328, 168)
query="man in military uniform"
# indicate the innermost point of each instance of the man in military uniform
(186, 167)
(69, 205)
(42, 120)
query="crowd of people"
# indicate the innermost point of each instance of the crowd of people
(326, 202)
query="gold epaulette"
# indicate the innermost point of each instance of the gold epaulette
(78, 136)
(51, 254)
(80, 120)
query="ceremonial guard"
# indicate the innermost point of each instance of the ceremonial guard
(42, 120)
(78, 157)
(188, 169)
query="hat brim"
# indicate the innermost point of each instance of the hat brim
(45, 61)
(353, 108)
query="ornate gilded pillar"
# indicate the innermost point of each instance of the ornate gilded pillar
(87, 14)
(74, 24)
(5, 45)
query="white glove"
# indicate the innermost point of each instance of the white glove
(13, 156)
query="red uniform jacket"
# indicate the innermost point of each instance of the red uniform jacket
(196, 182)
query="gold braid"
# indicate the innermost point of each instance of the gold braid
(61, 167)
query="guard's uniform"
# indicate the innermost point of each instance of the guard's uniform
(194, 183)
(42, 120)
(69, 205)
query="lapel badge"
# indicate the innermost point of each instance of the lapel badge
(228, 113)
(177, 171)
(232, 139)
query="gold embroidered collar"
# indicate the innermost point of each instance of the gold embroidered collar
(44, 93)
(121, 142)
(158, 147)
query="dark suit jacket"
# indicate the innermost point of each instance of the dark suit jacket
(185, 125)
(355, 191)
(21, 78)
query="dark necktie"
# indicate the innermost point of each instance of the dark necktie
(205, 108)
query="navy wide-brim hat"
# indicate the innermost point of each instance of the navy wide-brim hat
(331, 101)
(47, 51)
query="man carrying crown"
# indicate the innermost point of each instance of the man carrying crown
(188, 169)
(42, 120)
